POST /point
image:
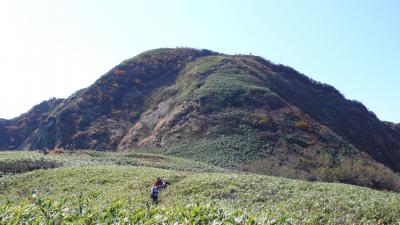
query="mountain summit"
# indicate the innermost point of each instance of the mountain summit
(236, 111)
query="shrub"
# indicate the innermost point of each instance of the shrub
(20, 166)
(57, 151)
(296, 139)
(304, 125)
(119, 212)
(362, 172)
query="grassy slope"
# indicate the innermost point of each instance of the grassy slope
(85, 158)
(107, 192)
(244, 125)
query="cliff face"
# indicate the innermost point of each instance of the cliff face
(14, 132)
(240, 111)
(99, 116)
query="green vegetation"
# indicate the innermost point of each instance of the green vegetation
(230, 84)
(194, 76)
(229, 146)
(121, 212)
(222, 79)
(94, 188)
(357, 171)
(20, 166)
(87, 158)
(227, 151)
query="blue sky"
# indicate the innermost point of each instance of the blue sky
(55, 47)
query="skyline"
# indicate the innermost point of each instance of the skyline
(54, 48)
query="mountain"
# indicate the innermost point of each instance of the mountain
(236, 111)
(14, 132)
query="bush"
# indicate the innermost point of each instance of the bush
(20, 166)
(304, 125)
(363, 173)
(57, 151)
(118, 212)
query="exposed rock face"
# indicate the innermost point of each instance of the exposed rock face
(15, 132)
(99, 116)
(228, 110)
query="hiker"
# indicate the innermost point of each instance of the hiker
(165, 183)
(159, 182)
(154, 194)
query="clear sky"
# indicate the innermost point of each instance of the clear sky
(56, 47)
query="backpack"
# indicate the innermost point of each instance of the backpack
(154, 191)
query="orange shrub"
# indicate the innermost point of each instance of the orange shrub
(304, 125)
(57, 151)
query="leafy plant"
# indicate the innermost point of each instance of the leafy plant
(98, 189)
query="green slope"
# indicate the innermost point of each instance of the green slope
(223, 110)
(91, 191)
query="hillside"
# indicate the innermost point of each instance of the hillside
(233, 111)
(14, 132)
(95, 188)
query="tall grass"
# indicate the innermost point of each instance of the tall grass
(119, 194)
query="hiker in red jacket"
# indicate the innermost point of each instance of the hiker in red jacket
(159, 182)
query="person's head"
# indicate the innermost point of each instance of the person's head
(165, 179)
(158, 178)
